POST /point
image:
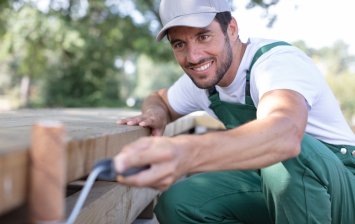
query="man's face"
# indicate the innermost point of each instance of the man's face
(205, 54)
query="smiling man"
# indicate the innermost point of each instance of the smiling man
(287, 156)
(203, 67)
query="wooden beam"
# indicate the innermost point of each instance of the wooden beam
(82, 154)
(182, 125)
(48, 169)
(92, 134)
(109, 202)
(13, 180)
(204, 120)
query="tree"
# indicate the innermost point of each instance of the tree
(67, 50)
(335, 60)
(154, 75)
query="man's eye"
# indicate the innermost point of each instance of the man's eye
(178, 45)
(203, 37)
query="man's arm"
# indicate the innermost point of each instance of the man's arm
(156, 113)
(274, 136)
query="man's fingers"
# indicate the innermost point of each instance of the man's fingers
(148, 151)
(139, 120)
(127, 157)
(123, 120)
(157, 132)
(147, 120)
(150, 178)
(127, 120)
(133, 155)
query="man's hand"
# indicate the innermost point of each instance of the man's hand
(167, 159)
(152, 118)
(156, 113)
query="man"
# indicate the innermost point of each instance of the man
(287, 156)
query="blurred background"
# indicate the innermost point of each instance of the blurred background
(103, 53)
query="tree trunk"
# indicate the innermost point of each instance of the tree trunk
(25, 91)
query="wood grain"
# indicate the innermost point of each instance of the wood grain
(92, 134)
(48, 169)
(109, 202)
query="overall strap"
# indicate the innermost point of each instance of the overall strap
(261, 51)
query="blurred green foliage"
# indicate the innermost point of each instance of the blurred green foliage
(69, 51)
(76, 53)
(343, 87)
(88, 53)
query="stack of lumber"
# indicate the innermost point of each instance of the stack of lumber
(90, 135)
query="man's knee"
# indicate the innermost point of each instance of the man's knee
(216, 197)
(172, 206)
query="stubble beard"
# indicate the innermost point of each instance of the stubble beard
(221, 70)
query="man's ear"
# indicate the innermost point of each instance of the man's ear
(233, 29)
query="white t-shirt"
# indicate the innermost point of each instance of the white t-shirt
(282, 67)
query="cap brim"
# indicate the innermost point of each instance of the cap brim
(193, 20)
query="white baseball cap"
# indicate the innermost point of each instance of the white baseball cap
(192, 13)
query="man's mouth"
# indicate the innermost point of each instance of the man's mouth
(203, 67)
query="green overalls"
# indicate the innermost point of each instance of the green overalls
(318, 186)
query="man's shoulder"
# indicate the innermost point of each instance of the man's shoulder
(254, 44)
(281, 51)
(259, 42)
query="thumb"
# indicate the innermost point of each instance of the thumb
(129, 155)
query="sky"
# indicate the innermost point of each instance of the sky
(317, 22)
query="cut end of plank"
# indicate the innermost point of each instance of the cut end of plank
(49, 123)
(48, 166)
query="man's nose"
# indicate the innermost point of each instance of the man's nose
(194, 54)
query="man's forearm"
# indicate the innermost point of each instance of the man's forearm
(157, 102)
(242, 148)
(274, 136)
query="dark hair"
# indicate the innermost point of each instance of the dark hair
(223, 18)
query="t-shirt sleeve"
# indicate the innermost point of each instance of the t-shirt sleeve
(288, 69)
(182, 96)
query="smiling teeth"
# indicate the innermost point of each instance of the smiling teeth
(203, 67)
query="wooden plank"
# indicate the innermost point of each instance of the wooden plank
(86, 129)
(182, 125)
(13, 180)
(14, 139)
(109, 202)
(208, 122)
(92, 135)
(48, 166)
(84, 153)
